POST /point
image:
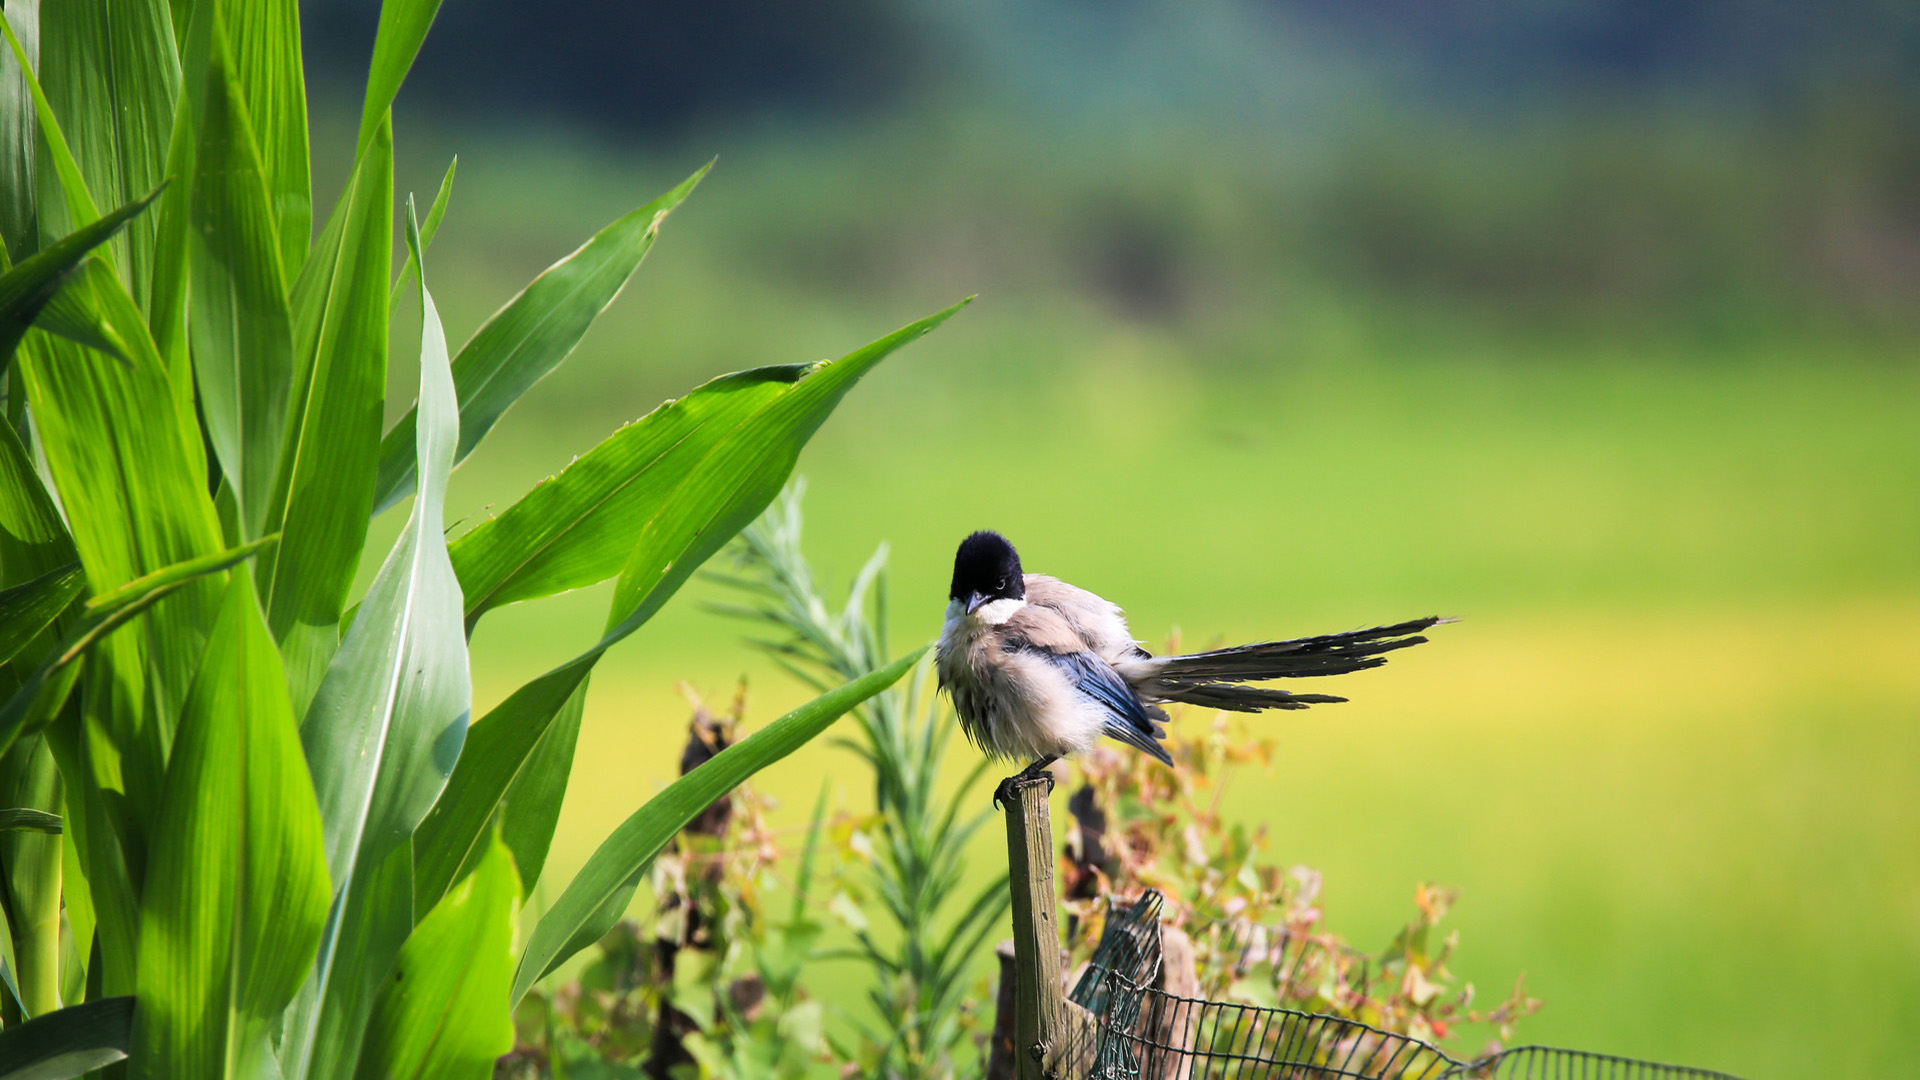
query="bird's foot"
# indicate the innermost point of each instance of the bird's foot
(1037, 771)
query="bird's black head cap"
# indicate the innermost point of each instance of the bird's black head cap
(986, 568)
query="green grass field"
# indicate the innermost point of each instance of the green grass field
(1669, 755)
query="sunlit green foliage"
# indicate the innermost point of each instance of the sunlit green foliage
(234, 790)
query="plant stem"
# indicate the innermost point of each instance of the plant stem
(31, 864)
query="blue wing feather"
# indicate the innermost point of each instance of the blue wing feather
(1127, 719)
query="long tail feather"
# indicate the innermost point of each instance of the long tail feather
(1211, 678)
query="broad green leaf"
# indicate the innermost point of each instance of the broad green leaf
(444, 1013)
(264, 38)
(26, 819)
(132, 480)
(514, 767)
(427, 230)
(403, 27)
(525, 340)
(325, 492)
(94, 840)
(30, 607)
(241, 327)
(70, 1042)
(387, 721)
(111, 71)
(682, 479)
(580, 527)
(80, 207)
(33, 536)
(236, 887)
(100, 617)
(19, 226)
(583, 912)
(27, 288)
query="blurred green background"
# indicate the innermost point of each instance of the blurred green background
(1592, 323)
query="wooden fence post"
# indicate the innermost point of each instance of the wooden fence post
(1053, 1038)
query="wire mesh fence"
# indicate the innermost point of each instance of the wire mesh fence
(1132, 1031)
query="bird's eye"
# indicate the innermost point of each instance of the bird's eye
(1001, 584)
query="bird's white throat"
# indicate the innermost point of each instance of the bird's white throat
(991, 613)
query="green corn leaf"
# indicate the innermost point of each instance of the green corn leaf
(131, 476)
(30, 876)
(100, 617)
(68, 1042)
(444, 1012)
(80, 208)
(264, 37)
(385, 728)
(27, 288)
(732, 441)
(241, 326)
(33, 535)
(30, 607)
(432, 226)
(325, 492)
(403, 27)
(525, 340)
(236, 889)
(19, 134)
(585, 910)
(685, 477)
(27, 819)
(111, 72)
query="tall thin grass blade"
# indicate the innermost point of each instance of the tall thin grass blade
(528, 338)
(382, 736)
(236, 888)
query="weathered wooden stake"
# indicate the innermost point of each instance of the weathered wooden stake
(1047, 1027)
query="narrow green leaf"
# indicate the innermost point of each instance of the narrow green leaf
(236, 889)
(325, 492)
(525, 340)
(33, 535)
(514, 767)
(386, 724)
(69, 1042)
(403, 27)
(444, 1012)
(29, 608)
(264, 36)
(582, 908)
(80, 208)
(111, 71)
(27, 288)
(101, 616)
(579, 528)
(27, 819)
(427, 231)
(682, 480)
(241, 326)
(19, 134)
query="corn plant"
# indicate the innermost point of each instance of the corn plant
(246, 828)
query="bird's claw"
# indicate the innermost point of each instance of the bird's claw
(1004, 792)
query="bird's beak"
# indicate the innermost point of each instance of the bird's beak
(974, 600)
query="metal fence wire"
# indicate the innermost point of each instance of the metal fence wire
(1139, 1033)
